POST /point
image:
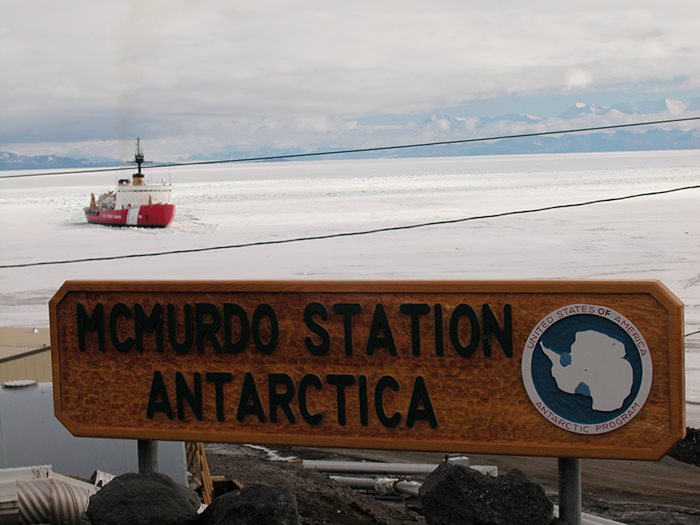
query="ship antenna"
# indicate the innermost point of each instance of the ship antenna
(138, 157)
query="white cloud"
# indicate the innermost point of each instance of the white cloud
(578, 78)
(218, 69)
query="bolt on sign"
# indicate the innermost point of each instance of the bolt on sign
(568, 369)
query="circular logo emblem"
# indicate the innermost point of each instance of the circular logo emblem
(587, 368)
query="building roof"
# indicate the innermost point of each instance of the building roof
(20, 342)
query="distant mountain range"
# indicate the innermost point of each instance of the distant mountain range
(579, 115)
(648, 107)
(582, 113)
(444, 127)
(12, 161)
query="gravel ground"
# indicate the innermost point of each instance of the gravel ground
(632, 492)
(319, 499)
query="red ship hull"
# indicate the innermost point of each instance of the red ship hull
(147, 216)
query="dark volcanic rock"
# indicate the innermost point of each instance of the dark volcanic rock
(143, 499)
(457, 494)
(255, 504)
(688, 450)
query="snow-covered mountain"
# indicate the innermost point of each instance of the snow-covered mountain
(581, 114)
(666, 106)
(406, 129)
(443, 122)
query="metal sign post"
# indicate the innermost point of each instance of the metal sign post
(148, 456)
(570, 490)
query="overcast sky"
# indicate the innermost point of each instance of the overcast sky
(85, 77)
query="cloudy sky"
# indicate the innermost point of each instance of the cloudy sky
(84, 77)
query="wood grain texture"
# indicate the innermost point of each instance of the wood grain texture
(480, 403)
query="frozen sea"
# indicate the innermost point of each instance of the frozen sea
(653, 237)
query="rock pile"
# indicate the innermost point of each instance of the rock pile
(457, 494)
(154, 499)
(451, 494)
(688, 450)
(143, 499)
(256, 504)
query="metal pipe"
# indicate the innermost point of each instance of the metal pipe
(411, 488)
(381, 485)
(38, 495)
(355, 483)
(366, 467)
(51, 501)
(361, 467)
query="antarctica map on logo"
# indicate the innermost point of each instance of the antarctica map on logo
(587, 369)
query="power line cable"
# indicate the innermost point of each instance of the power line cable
(360, 150)
(353, 233)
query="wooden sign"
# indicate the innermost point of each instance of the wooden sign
(577, 369)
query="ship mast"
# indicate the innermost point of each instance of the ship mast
(138, 156)
(137, 177)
